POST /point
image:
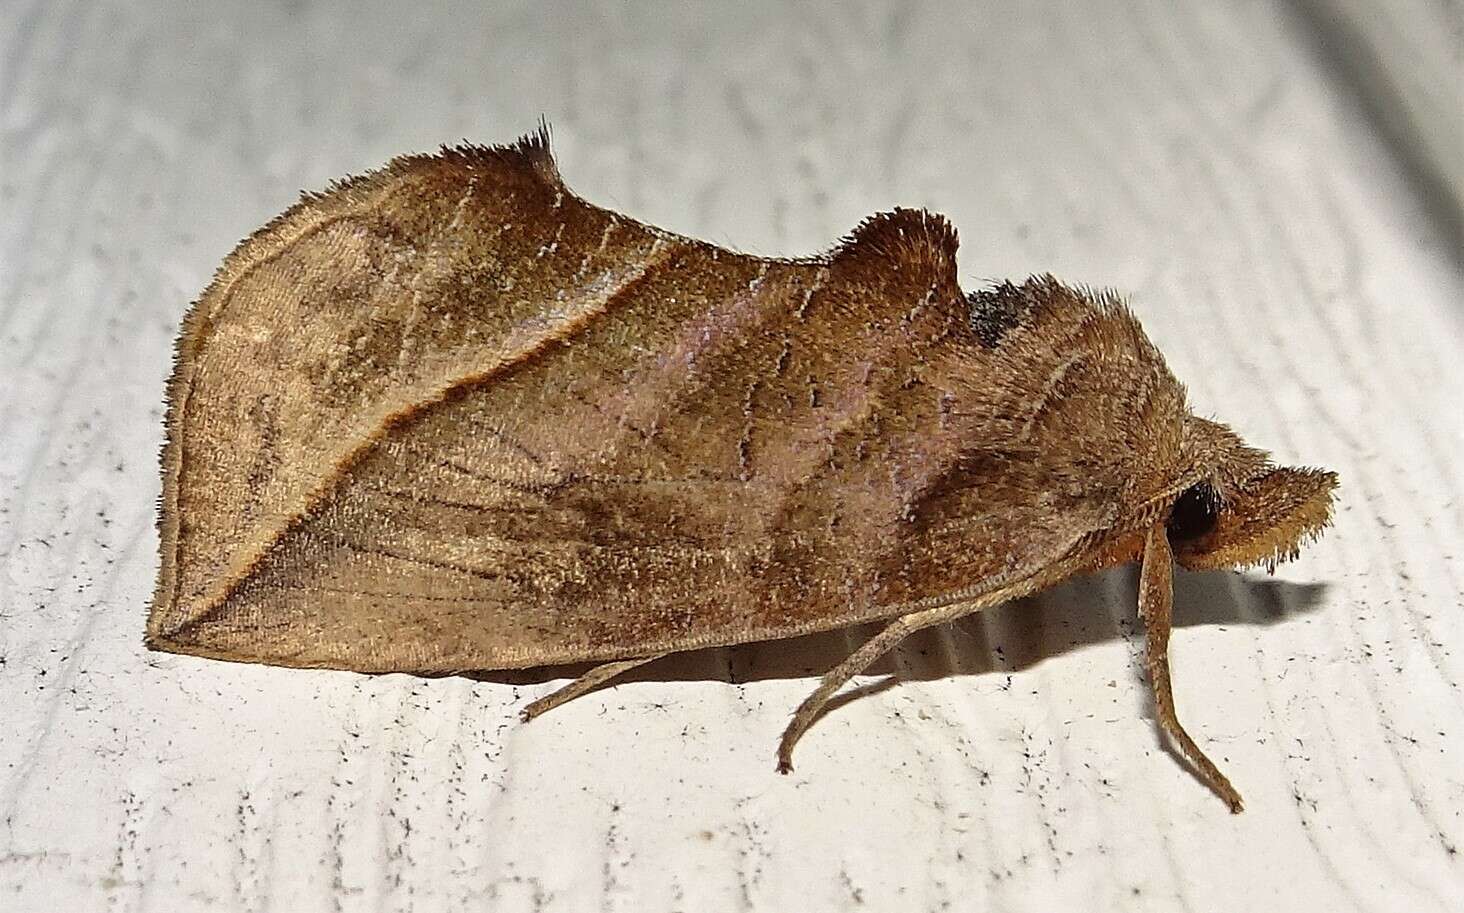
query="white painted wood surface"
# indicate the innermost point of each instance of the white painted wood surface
(1212, 160)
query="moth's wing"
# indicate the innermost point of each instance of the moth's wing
(450, 416)
(375, 303)
(569, 500)
(346, 313)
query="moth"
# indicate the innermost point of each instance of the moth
(449, 416)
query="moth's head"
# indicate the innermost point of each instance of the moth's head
(1244, 510)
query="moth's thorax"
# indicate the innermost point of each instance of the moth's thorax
(1073, 386)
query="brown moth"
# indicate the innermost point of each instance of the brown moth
(448, 416)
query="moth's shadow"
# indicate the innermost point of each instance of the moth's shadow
(1005, 638)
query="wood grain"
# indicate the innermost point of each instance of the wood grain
(1207, 159)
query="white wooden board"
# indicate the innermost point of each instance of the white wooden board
(1209, 159)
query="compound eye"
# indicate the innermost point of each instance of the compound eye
(1194, 514)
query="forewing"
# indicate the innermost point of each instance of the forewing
(450, 416)
(348, 312)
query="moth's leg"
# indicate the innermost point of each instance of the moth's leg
(855, 663)
(1156, 607)
(587, 682)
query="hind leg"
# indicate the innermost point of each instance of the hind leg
(584, 684)
(855, 663)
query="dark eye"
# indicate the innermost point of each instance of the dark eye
(1194, 513)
